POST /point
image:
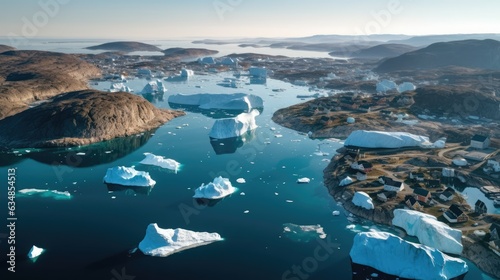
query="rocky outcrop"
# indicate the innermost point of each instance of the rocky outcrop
(82, 117)
(483, 257)
(4, 48)
(29, 76)
(182, 53)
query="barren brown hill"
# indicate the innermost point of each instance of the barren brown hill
(82, 117)
(181, 53)
(126, 46)
(29, 76)
(4, 48)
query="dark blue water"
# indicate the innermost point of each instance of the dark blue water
(89, 236)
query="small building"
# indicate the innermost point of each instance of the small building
(414, 204)
(495, 231)
(391, 185)
(480, 208)
(386, 195)
(433, 183)
(362, 165)
(365, 108)
(419, 176)
(455, 215)
(495, 245)
(361, 176)
(494, 163)
(422, 195)
(480, 142)
(446, 196)
(448, 172)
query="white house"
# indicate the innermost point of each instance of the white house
(446, 196)
(391, 185)
(480, 142)
(494, 163)
(448, 172)
(362, 165)
(419, 176)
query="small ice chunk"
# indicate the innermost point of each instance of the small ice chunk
(241, 181)
(303, 233)
(242, 193)
(246, 211)
(57, 195)
(80, 154)
(289, 201)
(304, 180)
(278, 135)
(160, 161)
(336, 213)
(35, 252)
(219, 188)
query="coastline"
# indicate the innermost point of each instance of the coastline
(474, 251)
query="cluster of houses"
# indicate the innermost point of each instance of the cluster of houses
(494, 241)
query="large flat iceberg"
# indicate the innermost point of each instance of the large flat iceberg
(57, 195)
(128, 176)
(362, 199)
(393, 255)
(217, 189)
(209, 101)
(160, 242)
(382, 139)
(429, 230)
(160, 161)
(234, 127)
(303, 233)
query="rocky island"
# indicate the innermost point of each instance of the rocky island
(126, 46)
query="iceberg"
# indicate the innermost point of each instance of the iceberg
(217, 189)
(257, 72)
(303, 233)
(160, 161)
(154, 87)
(241, 181)
(160, 242)
(346, 181)
(57, 195)
(304, 180)
(35, 252)
(393, 255)
(186, 73)
(382, 139)
(128, 176)
(386, 85)
(228, 61)
(119, 87)
(429, 230)
(234, 127)
(406, 86)
(362, 199)
(207, 60)
(210, 101)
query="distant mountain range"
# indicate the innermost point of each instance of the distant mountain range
(484, 54)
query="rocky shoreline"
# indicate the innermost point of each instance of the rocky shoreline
(474, 251)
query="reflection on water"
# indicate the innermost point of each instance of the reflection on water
(153, 97)
(230, 145)
(129, 190)
(85, 156)
(212, 113)
(207, 202)
(176, 79)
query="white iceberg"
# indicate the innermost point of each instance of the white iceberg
(214, 101)
(241, 181)
(346, 181)
(393, 255)
(406, 86)
(304, 180)
(160, 161)
(429, 230)
(154, 87)
(382, 139)
(258, 72)
(35, 252)
(362, 199)
(186, 73)
(128, 176)
(303, 233)
(57, 195)
(160, 242)
(217, 189)
(386, 85)
(234, 127)
(119, 87)
(207, 60)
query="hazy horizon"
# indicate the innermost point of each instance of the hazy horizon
(157, 20)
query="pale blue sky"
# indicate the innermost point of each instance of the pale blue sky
(166, 19)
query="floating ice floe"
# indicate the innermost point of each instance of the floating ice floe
(304, 180)
(241, 181)
(336, 213)
(128, 176)
(406, 259)
(57, 195)
(234, 127)
(429, 230)
(382, 139)
(160, 161)
(217, 189)
(160, 242)
(211, 101)
(35, 252)
(362, 199)
(303, 233)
